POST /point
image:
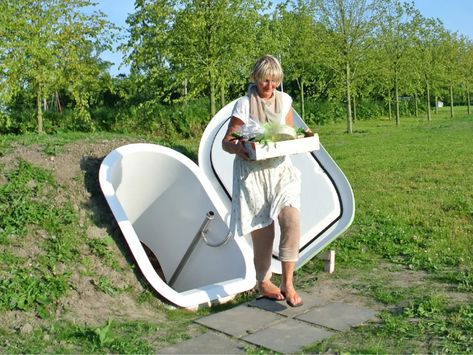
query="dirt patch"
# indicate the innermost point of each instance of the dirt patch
(340, 289)
(89, 307)
(76, 169)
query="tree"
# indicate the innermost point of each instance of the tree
(428, 56)
(395, 37)
(148, 49)
(212, 41)
(466, 68)
(48, 45)
(300, 40)
(452, 49)
(199, 45)
(350, 26)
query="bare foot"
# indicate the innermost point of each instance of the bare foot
(268, 289)
(292, 298)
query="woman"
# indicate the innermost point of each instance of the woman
(267, 189)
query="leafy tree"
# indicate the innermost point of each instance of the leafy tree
(466, 71)
(350, 26)
(452, 50)
(428, 56)
(148, 49)
(51, 44)
(212, 41)
(396, 33)
(193, 47)
(300, 40)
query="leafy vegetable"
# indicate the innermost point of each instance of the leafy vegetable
(272, 132)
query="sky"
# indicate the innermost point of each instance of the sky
(454, 14)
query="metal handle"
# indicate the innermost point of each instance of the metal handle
(210, 216)
(200, 234)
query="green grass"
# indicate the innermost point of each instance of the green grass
(412, 184)
(414, 213)
(26, 206)
(414, 208)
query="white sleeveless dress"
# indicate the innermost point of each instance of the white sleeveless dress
(262, 188)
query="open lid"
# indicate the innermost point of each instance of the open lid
(327, 202)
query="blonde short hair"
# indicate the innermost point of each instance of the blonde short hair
(267, 67)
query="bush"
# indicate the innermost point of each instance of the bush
(5, 123)
(368, 109)
(186, 119)
(105, 118)
(18, 122)
(24, 121)
(65, 121)
(320, 112)
(323, 111)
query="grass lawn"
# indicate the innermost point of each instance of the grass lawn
(414, 209)
(414, 216)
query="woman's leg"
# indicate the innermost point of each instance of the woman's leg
(262, 252)
(289, 222)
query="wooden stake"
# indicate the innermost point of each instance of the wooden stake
(329, 261)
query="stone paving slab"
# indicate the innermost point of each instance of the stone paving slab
(281, 307)
(276, 326)
(338, 316)
(240, 321)
(288, 336)
(208, 343)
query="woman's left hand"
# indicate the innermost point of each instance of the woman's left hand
(241, 150)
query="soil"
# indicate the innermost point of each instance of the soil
(76, 169)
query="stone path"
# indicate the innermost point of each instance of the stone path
(273, 325)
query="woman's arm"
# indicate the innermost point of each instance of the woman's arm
(290, 118)
(232, 145)
(290, 122)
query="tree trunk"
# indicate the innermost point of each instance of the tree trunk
(185, 87)
(468, 100)
(390, 109)
(213, 109)
(302, 99)
(349, 116)
(396, 91)
(452, 114)
(354, 108)
(429, 117)
(436, 108)
(58, 102)
(39, 111)
(184, 92)
(222, 95)
(416, 106)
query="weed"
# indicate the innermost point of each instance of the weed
(101, 248)
(426, 326)
(66, 337)
(21, 201)
(35, 288)
(105, 285)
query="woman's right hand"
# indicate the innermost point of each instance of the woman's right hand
(231, 144)
(240, 150)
